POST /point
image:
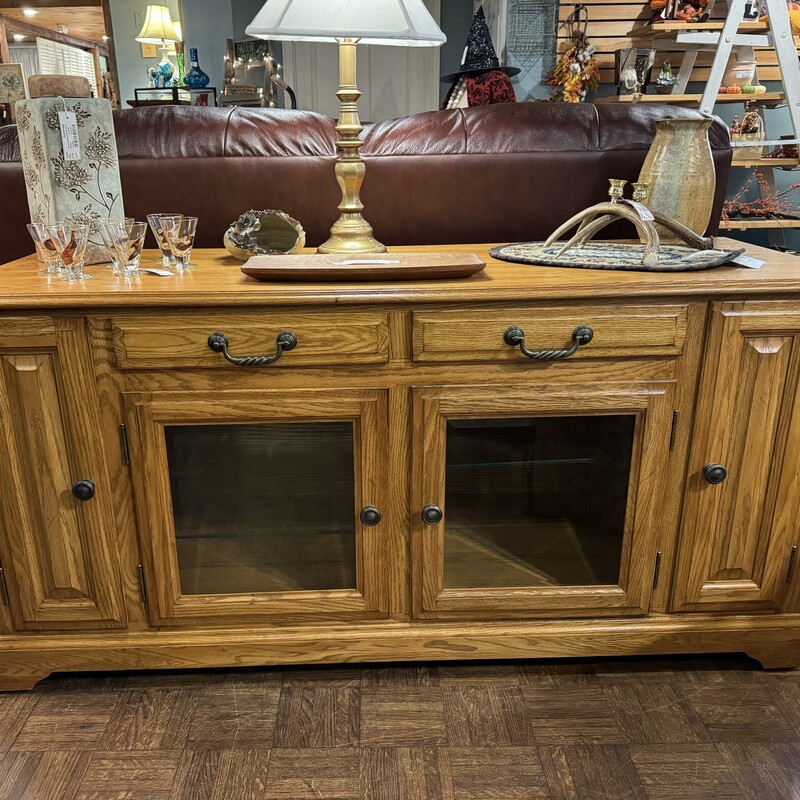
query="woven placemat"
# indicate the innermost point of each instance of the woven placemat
(614, 256)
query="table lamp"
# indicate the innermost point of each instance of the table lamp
(348, 22)
(158, 29)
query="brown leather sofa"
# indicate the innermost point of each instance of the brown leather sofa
(493, 174)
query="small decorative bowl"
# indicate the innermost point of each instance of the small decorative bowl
(267, 232)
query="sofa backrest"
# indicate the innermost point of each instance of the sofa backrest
(493, 174)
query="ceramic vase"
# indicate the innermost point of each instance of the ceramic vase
(680, 170)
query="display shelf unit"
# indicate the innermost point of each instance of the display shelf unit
(733, 37)
(751, 224)
(778, 163)
(694, 99)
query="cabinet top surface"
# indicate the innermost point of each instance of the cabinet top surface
(219, 281)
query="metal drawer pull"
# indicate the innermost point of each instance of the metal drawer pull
(218, 342)
(515, 337)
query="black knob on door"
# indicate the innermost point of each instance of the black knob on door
(432, 515)
(715, 473)
(83, 489)
(370, 515)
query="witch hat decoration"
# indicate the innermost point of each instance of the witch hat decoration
(479, 54)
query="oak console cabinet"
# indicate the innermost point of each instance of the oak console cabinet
(397, 478)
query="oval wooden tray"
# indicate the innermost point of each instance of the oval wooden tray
(378, 267)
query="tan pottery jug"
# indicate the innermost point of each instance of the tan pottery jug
(680, 170)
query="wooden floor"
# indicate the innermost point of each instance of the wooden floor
(678, 729)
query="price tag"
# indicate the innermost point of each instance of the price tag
(748, 261)
(164, 273)
(643, 212)
(70, 143)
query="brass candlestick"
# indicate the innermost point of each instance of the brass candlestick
(617, 190)
(351, 233)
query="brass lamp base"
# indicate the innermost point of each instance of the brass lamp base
(351, 233)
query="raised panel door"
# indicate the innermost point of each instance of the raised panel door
(57, 550)
(741, 515)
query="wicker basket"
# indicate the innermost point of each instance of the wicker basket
(756, 151)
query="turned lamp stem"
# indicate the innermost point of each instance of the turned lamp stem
(351, 233)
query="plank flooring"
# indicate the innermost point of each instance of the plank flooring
(639, 729)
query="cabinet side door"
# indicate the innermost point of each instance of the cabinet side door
(737, 537)
(59, 563)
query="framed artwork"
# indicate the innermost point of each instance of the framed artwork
(12, 83)
(149, 50)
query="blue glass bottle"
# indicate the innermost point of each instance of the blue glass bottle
(195, 77)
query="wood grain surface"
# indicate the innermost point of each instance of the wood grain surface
(603, 729)
(218, 281)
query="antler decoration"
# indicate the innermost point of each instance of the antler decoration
(592, 220)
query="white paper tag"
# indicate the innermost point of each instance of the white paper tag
(165, 273)
(643, 212)
(70, 143)
(748, 261)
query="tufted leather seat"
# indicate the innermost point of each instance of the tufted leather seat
(499, 173)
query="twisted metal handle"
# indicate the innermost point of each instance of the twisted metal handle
(515, 337)
(218, 342)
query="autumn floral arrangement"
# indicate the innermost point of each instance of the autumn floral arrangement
(576, 71)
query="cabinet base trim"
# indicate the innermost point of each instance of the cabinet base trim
(774, 641)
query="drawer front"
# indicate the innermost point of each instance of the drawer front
(618, 331)
(156, 342)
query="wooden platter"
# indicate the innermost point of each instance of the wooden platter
(370, 267)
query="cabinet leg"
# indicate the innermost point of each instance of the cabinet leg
(776, 659)
(20, 683)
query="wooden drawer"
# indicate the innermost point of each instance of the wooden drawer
(161, 341)
(475, 334)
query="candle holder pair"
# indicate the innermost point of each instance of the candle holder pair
(597, 217)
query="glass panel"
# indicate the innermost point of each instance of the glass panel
(263, 508)
(536, 502)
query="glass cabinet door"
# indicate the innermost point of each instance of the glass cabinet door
(537, 500)
(261, 503)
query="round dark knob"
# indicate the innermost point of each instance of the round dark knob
(432, 515)
(83, 490)
(715, 473)
(370, 515)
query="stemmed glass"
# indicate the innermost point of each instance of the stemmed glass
(71, 241)
(180, 233)
(126, 242)
(117, 266)
(46, 248)
(167, 259)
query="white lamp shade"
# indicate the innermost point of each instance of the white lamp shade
(157, 26)
(395, 22)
